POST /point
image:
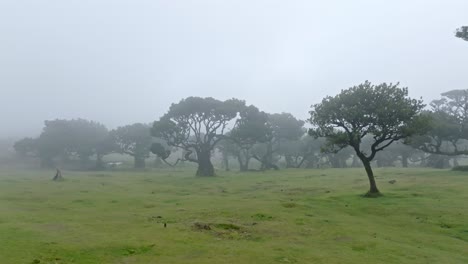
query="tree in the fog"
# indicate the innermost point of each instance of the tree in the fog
(134, 140)
(84, 139)
(462, 33)
(65, 139)
(26, 147)
(251, 128)
(302, 152)
(384, 112)
(283, 128)
(196, 125)
(448, 133)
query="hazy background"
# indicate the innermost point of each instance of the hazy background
(120, 62)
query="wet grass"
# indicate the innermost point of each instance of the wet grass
(288, 216)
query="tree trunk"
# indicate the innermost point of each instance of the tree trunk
(404, 160)
(139, 162)
(226, 162)
(373, 191)
(205, 167)
(58, 176)
(242, 165)
(99, 162)
(289, 161)
(243, 158)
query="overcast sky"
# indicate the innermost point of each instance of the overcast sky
(119, 62)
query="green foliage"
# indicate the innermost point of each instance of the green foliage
(284, 128)
(252, 127)
(159, 150)
(382, 111)
(66, 139)
(448, 126)
(196, 122)
(26, 147)
(462, 33)
(134, 140)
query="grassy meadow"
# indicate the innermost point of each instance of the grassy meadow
(286, 216)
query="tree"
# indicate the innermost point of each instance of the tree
(65, 139)
(283, 128)
(228, 148)
(85, 139)
(104, 146)
(196, 125)
(251, 128)
(448, 133)
(462, 33)
(134, 140)
(26, 147)
(382, 111)
(163, 152)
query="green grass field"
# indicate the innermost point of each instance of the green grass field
(288, 216)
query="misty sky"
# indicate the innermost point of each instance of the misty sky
(119, 62)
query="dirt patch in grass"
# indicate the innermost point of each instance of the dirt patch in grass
(201, 226)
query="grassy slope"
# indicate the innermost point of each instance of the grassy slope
(289, 216)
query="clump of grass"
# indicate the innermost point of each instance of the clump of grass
(262, 217)
(227, 226)
(289, 205)
(139, 250)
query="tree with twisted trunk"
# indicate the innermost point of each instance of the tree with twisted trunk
(383, 112)
(196, 125)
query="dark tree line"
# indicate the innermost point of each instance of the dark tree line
(366, 125)
(63, 141)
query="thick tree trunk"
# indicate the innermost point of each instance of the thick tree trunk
(139, 162)
(205, 167)
(289, 162)
(242, 165)
(373, 191)
(243, 159)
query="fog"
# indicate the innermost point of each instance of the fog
(120, 62)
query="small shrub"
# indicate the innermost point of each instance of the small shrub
(460, 168)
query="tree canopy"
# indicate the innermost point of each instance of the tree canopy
(65, 139)
(283, 128)
(134, 140)
(462, 33)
